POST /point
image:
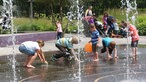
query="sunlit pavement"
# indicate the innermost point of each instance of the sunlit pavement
(62, 71)
(50, 45)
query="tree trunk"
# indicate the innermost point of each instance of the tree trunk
(60, 4)
(52, 13)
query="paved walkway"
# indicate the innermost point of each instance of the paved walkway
(50, 45)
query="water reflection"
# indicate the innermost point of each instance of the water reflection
(66, 71)
(134, 60)
(91, 68)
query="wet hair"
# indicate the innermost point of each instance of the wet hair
(75, 40)
(41, 42)
(112, 45)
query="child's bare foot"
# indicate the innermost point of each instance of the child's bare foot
(109, 57)
(116, 57)
(29, 66)
(46, 62)
(96, 60)
(134, 56)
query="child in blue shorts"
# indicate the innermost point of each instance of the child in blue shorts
(32, 49)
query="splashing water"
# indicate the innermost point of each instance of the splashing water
(6, 14)
(131, 13)
(76, 13)
(7, 24)
(131, 10)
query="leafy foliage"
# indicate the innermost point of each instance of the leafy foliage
(141, 26)
(23, 24)
(57, 9)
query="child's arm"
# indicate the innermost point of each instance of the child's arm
(38, 53)
(98, 39)
(108, 54)
(73, 53)
(86, 12)
(41, 56)
(115, 52)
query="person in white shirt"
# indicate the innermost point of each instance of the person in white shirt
(89, 11)
(116, 27)
(32, 49)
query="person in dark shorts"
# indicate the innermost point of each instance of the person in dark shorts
(109, 46)
(133, 32)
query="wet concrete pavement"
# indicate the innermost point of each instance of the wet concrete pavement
(68, 71)
(50, 45)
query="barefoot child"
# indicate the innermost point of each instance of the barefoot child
(32, 49)
(94, 40)
(65, 45)
(134, 36)
(108, 47)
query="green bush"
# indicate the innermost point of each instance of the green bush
(73, 29)
(43, 24)
(121, 15)
(35, 27)
(141, 26)
(25, 24)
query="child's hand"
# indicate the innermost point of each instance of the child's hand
(41, 60)
(97, 45)
(45, 62)
(76, 59)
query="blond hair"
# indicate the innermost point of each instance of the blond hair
(41, 42)
(75, 40)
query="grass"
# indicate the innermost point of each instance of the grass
(27, 21)
(27, 24)
(43, 24)
(142, 45)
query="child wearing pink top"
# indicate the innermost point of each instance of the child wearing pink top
(59, 30)
(134, 36)
(104, 20)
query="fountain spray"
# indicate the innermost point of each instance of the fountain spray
(131, 13)
(76, 14)
(7, 24)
